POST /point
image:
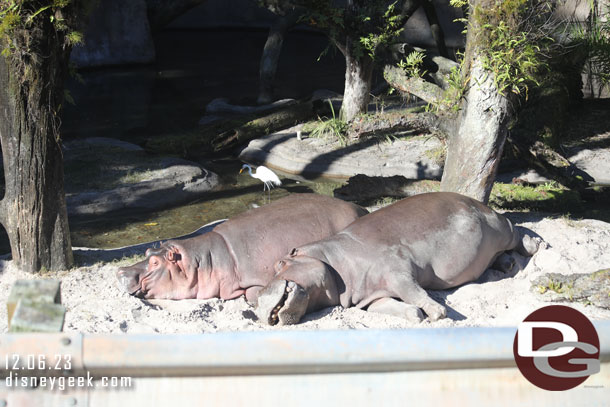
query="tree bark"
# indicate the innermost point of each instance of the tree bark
(427, 91)
(271, 55)
(33, 209)
(474, 153)
(357, 92)
(395, 121)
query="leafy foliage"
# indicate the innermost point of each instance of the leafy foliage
(456, 89)
(332, 127)
(515, 37)
(19, 16)
(369, 25)
(412, 64)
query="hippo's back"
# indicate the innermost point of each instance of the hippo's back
(260, 237)
(418, 216)
(455, 236)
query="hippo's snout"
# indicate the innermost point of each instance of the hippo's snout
(282, 302)
(129, 277)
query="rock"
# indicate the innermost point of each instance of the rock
(593, 161)
(34, 306)
(528, 177)
(223, 107)
(44, 291)
(590, 288)
(117, 33)
(180, 181)
(107, 175)
(101, 141)
(410, 157)
(35, 316)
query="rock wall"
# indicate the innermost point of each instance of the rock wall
(117, 34)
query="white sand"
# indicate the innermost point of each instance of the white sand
(96, 304)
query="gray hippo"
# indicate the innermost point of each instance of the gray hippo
(386, 259)
(237, 256)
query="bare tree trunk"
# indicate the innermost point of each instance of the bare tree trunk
(33, 209)
(271, 55)
(357, 92)
(475, 150)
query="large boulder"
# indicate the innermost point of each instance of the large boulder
(109, 176)
(417, 157)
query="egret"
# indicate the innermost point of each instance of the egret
(264, 174)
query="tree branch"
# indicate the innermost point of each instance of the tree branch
(427, 91)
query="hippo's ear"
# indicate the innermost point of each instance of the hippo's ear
(294, 252)
(173, 254)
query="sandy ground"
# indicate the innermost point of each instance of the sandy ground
(96, 304)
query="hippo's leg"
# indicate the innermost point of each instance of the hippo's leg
(391, 306)
(252, 294)
(504, 262)
(282, 302)
(409, 290)
(528, 245)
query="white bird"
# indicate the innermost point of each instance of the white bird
(264, 174)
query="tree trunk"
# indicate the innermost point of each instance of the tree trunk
(33, 209)
(357, 93)
(271, 55)
(474, 152)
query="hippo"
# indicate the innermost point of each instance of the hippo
(237, 256)
(383, 261)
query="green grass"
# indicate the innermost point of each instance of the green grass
(548, 197)
(330, 128)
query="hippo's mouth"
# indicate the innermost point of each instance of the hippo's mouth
(273, 317)
(138, 292)
(282, 303)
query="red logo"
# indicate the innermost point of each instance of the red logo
(556, 348)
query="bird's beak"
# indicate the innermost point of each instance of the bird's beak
(240, 171)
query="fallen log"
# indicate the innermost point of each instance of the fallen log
(224, 135)
(268, 124)
(393, 121)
